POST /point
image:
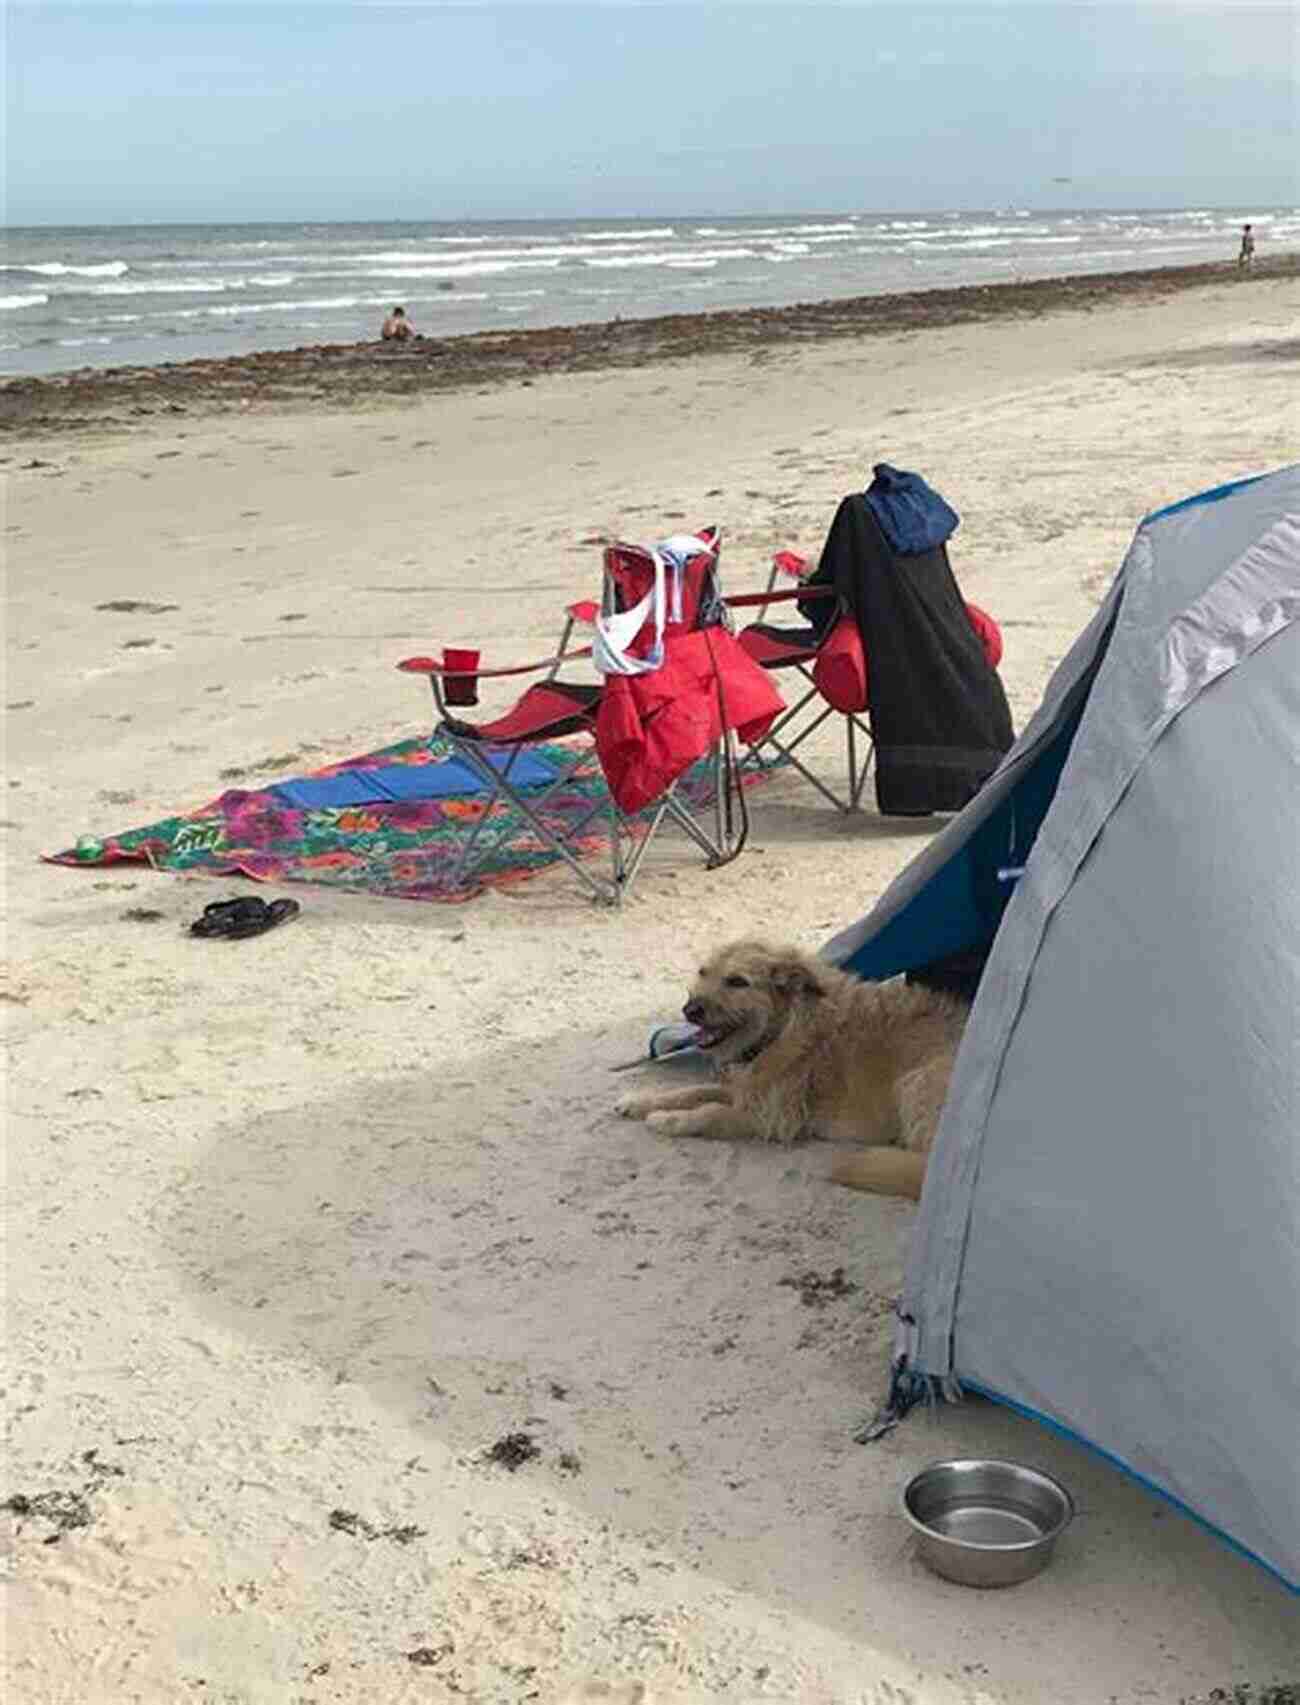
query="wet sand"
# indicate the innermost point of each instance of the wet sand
(365, 374)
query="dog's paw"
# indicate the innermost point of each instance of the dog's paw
(674, 1124)
(635, 1106)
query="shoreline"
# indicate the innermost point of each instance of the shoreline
(354, 375)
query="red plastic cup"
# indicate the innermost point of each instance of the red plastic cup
(460, 685)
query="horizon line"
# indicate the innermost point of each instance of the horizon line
(630, 218)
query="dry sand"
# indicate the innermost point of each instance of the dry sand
(298, 1227)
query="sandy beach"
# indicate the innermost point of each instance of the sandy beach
(300, 1228)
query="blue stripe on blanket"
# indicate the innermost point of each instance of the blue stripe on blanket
(398, 782)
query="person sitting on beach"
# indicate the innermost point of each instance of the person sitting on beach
(1247, 255)
(397, 328)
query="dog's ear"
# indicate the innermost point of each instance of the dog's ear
(795, 979)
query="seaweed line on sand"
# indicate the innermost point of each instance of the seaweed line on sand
(358, 374)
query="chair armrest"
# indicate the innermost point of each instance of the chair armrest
(430, 666)
(749, 599)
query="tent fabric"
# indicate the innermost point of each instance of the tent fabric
(1109, 1236)
(939, 716)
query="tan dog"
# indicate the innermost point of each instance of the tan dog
(808, 1051)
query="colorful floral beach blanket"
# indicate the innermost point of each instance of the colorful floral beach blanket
(407, 847)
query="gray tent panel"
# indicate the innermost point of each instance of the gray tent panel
(1148, 1186)
(1110, 1231)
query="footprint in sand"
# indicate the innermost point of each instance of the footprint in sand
(344, 473)
(294, 616)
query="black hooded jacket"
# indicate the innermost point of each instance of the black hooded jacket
(939, 716)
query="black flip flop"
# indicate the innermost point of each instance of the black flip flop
(278, 912)
(221, 916)
(245, 916)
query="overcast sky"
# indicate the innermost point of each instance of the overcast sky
(166, 110)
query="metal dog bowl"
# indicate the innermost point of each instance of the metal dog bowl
(986, 1523)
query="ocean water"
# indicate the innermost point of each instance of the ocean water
(132, 295)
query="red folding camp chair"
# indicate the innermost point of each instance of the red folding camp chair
(680, 602)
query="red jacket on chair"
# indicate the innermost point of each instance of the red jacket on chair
(651, 728)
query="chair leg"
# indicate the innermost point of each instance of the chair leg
(626, 868)
(773, 738)
(626, 865)
(858, 777)
(724, 767)
(626, 851)
(755, 753)
(788, 753)
(466, 860)
(814, 781)
(554, 670)
(681, 815)
(853, 727)
(500, 788)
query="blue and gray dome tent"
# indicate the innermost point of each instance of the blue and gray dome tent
(1109, 1237)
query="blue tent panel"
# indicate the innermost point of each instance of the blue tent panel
(960, 908)
(1214, 495)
